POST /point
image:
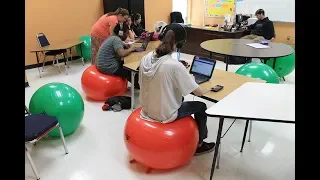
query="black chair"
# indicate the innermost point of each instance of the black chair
(36, 127)
(176, 17)
(43, 42)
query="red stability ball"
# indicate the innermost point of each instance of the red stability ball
(100, 87)
(161, 146)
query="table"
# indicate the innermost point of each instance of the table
(67, 44)
(229, 80)
(199, 34)
(238, 48)
(251, 102)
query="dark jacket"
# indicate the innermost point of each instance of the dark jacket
(137, 29)
(263, 28)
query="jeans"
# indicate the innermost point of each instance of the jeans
(198, 109)
(124, 73)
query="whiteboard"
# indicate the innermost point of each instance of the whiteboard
(276, 10)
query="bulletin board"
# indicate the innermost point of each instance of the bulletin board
(219, 8)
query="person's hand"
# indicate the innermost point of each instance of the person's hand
(132, 48)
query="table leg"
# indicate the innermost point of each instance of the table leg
(132, 89)
(227, 62)
(82, 59)
(250, 129)
(274, 63)
(70, 54)
(38, 64)
(65, 63)
(216, 149)
(244, 135)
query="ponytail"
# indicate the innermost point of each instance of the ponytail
(167, 45)
(121, 11)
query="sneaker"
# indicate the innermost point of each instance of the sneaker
(205, 148)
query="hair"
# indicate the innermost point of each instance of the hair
(136, 16)
(167, 45)
(121, 11)
(260, 11)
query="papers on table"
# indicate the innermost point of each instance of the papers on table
(257, 45)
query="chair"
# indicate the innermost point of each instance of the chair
(176, 17)
(43, 42)
(36, 127)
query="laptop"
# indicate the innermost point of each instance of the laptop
(202, 69)
(144, 45)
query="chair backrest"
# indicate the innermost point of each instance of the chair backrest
(42, 40)
(176, 17)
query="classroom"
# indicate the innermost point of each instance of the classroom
(160, 90)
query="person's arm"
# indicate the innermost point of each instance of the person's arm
(252, 26)
(125, 52)
(269, 30)
(131, 34)
(185, 82)
(119, 48)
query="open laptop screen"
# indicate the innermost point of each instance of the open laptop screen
(202, 66)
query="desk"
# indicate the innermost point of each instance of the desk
(251, 102)
(238, 48)
(198, 34)
(229, 80)
(67, 44)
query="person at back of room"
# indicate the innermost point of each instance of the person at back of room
(110, 55)
(131, 32)
(136, 26)
(262, 29)
(165, 80)
(103, 28)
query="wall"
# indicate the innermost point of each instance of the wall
(157, 10)
(59, 20)
(282, 30)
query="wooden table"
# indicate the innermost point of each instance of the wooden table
(238, 48)
(67, 44)
(251, 102)
(229, 80)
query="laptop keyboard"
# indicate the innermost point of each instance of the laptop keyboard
(200, 79)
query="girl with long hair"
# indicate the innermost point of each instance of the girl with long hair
(103, 28)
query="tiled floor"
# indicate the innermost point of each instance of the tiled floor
(97, 150)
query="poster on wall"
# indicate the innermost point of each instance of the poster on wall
(219, 8)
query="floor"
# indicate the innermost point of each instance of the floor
(97, 150)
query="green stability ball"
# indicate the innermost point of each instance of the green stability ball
(284, 65)
(260, 71)
(86, 47)
(62, 101)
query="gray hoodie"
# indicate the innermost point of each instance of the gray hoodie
(163, 81)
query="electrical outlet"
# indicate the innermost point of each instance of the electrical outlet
(288, 38)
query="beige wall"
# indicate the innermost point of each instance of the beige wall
(69, 19)
(157, 10)
(59, 20)
(282, 30)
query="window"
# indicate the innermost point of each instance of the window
(181, 6)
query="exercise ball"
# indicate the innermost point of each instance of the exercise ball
(62, 101)
(284, 65)
(86, 47)
(100, 87)
(161, 146)
(259, 71)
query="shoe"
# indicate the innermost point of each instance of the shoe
(205, 148)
